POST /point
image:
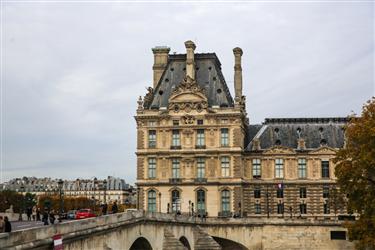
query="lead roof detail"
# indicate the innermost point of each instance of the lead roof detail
(208, 76)
(315, 132)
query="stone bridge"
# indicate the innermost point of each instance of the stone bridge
(139, 230)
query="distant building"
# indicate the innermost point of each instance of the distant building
(116, 189)
(196, 149)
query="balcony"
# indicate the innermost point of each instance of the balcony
(176, 147)
(200, 180)
(175, 180)
(225, 214)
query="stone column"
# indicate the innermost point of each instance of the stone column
(237, 74)
(190, 65)
(160, 62)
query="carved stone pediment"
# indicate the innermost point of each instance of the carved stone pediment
(323, 150)
(188, 96)
(188, 119)
(279, 150)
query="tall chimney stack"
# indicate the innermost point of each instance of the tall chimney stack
(190, 65)
(160, 62)
(237, 74)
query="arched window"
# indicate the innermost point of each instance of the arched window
(151, 201)
(201, 201)
(225, 201)
(176, 201)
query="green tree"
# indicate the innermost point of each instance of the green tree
(355, 173)
(8, 198)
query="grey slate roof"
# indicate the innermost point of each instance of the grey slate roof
(284, 132)
(208, 76)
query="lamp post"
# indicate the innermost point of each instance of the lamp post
(159, 202)
(22, 189)
(60, 184)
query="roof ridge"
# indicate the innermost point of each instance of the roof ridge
(307, 120)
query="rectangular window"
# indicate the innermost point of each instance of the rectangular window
(303, 208)
(176, 122)
(338, 235)
(224, 137)
(200, 122)
(280, 193)
(152, 123)
(176, 138)
(302, 192)
(151, 168)
(256, 168)
(257, 208)
(225, 166)
(302, 168)
(175, 168)
(257, 192)
(326, 207)
(201, 168)
(225, 201)
(279, 168)
(280, 208)
(325, 169)
(325, 191)
(152, 138)
(200, 138)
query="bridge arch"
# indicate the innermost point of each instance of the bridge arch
(185, 242)
(141, 243)
(229, 244)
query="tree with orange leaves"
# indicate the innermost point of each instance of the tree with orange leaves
(355, 173)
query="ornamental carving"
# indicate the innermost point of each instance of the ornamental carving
(188, 119)
(188, 96)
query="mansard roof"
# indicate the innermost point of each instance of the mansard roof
(208, 76)
(316, 132)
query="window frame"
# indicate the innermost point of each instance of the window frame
(201, 140)
(225, 200)
(176, 168)
(302, 192)
(152, 168)
(176, 138)
(257, 168)
(224, 137)
(153, 199)
(325, 169)
(152, 138)
(201, 167)
(302, 168)
(279, 168)
(225, 166)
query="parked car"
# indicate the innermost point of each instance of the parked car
(84, 213)
(71, 215)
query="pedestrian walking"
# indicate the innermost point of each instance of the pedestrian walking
(52, 217)
(8, 226)
(2, 224)
(38, 214)
(34, 213)
(28, 213)
(114, 208)
(45, 217)
(104, 209)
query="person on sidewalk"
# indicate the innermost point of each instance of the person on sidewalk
(2, 224)
(8, 226)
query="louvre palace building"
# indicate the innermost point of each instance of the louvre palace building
(198, 153)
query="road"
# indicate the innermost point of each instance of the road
(21, 225)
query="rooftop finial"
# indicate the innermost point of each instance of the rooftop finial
(190, 65)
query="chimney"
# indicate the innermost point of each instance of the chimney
(237, 74)
(160, 62)
(190, 65)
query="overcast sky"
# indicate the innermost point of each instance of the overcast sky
(72, 72)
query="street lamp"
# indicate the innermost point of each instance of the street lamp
(22, 189)
(60, 184)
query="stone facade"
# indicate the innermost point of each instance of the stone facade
(197, 151)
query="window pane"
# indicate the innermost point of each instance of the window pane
(152, 201)
(175, 137)
(151, 167)
(200, 137)
(176, 201)
(201, 168)
(279, 168)
(225, 201)
(151, 138)
(325, 169)
(257, 208)
(256, 168)
(175, 168)
(224, 137)
(201, 199)
(302, 168)
(225, 166)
